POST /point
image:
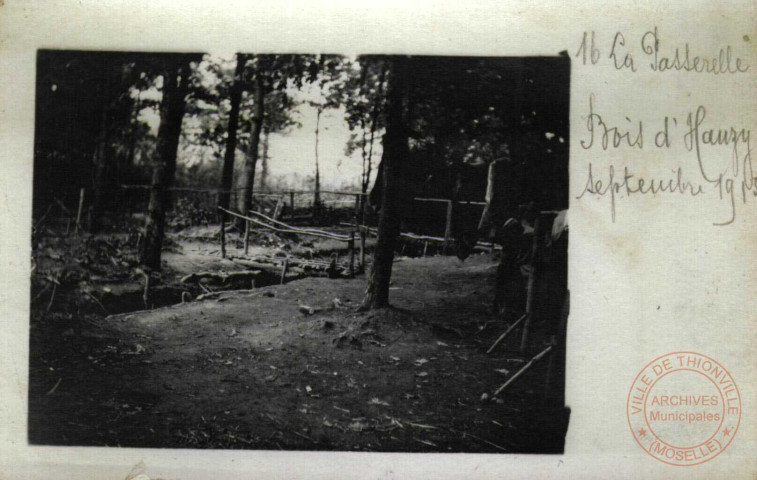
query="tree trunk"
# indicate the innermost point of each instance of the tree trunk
(231, 141)
(244, 202)
(264, 164)
(374, 121)
(100, 159)
(164, 163)
(394, 156)
(364, 155)
(100, 155)
(317, 196)
(134, 126)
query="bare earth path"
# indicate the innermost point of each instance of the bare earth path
(256, 370)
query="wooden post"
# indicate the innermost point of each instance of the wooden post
(223, 234)
(357, 208)
(554, 385)
(362, 247)
(146, 291)
(284, 270)
(425, 247)
(78, 212)
(291, 201)
(448, 227)
(246, 236)
(530, 293)
(351, 246)
(550, 367)
(277, 209)
(364, 210)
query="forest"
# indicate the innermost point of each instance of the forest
(271, 251)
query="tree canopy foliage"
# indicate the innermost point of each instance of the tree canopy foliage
(100, 115)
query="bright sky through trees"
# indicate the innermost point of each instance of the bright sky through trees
(291, 154)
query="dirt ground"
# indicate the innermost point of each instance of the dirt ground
(296, 367)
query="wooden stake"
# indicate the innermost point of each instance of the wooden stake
(277, 210)
(530, 293)
(146, 292)
(362, 248)
(425, 247)
(351, 246)
(246, 236)
(52, 297)
(448, 227)
(520, 372)
(284, 270)
(509, 329)
(291, 201)
(78, 212)
(223, 235)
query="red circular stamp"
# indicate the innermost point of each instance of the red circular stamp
(684, 408)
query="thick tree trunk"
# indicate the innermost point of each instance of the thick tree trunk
(164, 163)
(374, 122)
(227, 176)
(244, 202)
(133, 130)
(393, 159)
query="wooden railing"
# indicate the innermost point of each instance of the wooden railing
(281, 227)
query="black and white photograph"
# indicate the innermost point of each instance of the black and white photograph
(312, 252)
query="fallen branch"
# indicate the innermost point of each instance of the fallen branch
(523, 369)
(52, 297)
(221, 277)
(97, 301)
(62, 206)
(509, 329)
(466, 434)
(39, 222)
(211, 295)
(52, 390)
